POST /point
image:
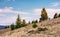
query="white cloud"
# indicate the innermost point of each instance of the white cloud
(5, 10)
(12, 19)
(55, 4)
(8, 19)
(26, 19)
(29, 16)
(1, 15)
(10, 10)
(50, 11)
(37, 11)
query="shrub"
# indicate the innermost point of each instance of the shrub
(18, 26)
(34, 25)
(33, 21)
(23, 23)
(12, 26)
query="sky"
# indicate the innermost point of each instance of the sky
(27, 9)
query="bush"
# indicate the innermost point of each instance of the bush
(34, 25)
(23, 23)
(33, 21)
(18, 26)
(12, 26)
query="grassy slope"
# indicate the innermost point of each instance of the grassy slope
(52, 25)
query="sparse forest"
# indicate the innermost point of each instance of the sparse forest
(18, 24)
(29, 18)
(44, 16)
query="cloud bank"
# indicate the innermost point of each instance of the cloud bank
(55, 4)
(6, 18)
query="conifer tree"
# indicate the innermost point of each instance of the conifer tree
(18, 22)
(44, 15)
(56, 15)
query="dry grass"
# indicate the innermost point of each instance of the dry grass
(53, 27)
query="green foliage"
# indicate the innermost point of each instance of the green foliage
(34, 25)
(18, 22)
(33, 21)
(23, 23)
(36, 21)
(18, 26)
(44, 15)
(12, 26)
(56, 15)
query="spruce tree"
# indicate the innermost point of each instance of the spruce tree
(56, 15)
(44, 15)
(18, 22)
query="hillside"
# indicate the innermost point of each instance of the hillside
(4, 30)
(52, 25)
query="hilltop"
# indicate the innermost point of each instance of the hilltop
(53, 30)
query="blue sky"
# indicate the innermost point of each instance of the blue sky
(28, 9)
